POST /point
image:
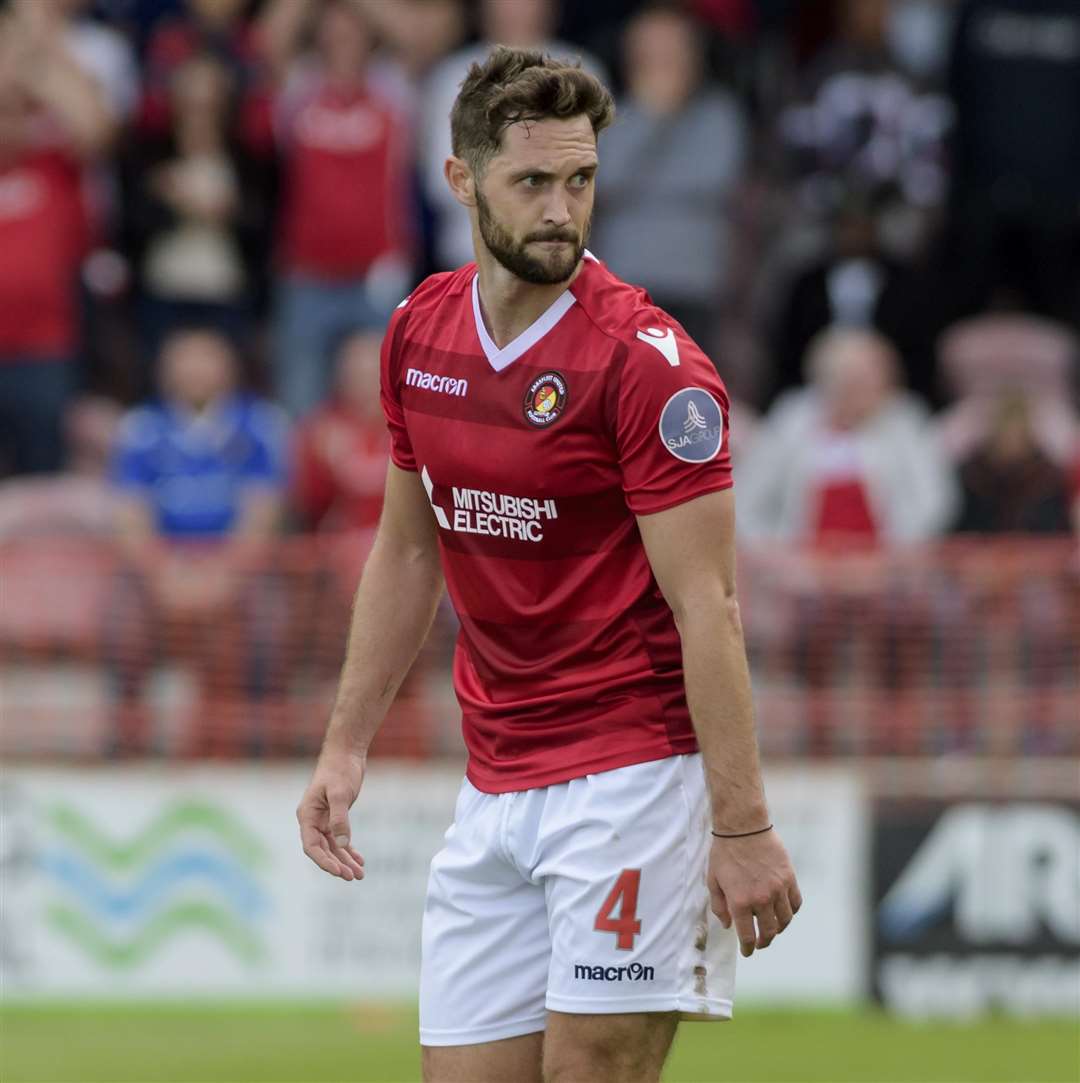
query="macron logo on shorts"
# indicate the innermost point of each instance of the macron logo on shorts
(444, 385)
(633, 972)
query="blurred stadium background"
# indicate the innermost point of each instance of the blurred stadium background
(867, 210)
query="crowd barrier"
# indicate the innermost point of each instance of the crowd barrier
(966, 647)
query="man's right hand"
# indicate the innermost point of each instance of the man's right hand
(323, 812)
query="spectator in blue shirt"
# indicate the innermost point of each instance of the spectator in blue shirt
(205, 461)
(200, 481)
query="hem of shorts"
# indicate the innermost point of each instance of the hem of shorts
(494, 1032)
(680, 746)
(703, 1008)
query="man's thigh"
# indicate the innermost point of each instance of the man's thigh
(574, 1049)
(628, 1048)
(512, 1059)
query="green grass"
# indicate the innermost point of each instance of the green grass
(333, 1043)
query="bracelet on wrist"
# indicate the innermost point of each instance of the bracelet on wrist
(742, 834)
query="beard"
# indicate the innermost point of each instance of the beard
(557, 267)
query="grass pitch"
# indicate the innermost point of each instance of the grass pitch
(334, 1043)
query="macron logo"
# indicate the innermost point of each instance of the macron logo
(633, 972)
(445, 385)
(664, 341)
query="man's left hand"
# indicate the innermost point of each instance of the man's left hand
(751, 879)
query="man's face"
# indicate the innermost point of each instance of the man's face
(535, 198)
(197, 368)
(857, 382)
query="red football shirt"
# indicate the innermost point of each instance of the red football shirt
(345, 177)
(42, 239)
(339, 470)
(536, 458)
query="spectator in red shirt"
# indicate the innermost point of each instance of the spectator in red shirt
(850, 464)
(217, 28)
(53, 118)
(851, 457)
(341, 449)
(343, 229)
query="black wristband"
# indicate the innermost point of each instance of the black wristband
(744, 834)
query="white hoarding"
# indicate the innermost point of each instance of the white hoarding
(134, 881)
(138, 881)
(823, 817)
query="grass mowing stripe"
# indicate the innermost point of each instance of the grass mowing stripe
(376, 1043)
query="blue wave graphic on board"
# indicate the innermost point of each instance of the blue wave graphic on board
(112, 901)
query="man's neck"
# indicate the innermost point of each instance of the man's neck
(508, 304)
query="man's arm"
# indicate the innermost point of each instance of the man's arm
(48, 72)
(692, 553)
(393, 611)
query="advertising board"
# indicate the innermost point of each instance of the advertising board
(169, 881)
(977, 907)
(175, 882)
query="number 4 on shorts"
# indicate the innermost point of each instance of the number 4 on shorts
(624, 896)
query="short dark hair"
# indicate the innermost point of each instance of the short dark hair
(513, 85)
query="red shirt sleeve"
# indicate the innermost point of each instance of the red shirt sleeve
(401, 452)
(670, 420)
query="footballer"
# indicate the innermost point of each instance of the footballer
(560, 462)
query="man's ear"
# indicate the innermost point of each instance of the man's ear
(461, 180)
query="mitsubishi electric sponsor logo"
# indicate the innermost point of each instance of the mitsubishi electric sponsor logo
(632, 972)
(444, 385)
(495, 515)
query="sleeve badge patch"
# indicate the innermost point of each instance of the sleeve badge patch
(692, 425)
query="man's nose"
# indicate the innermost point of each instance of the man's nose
(557, 210)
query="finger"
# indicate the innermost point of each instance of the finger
(324, 859)
(784, 913)
(744, 928)
(345, 857)
(337, 853)
(311, 814)
(340, 830)
(795, 897)
(768, 926)
(720, 906)
(315, 847)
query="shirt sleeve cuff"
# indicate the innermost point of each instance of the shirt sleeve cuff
(648, 506)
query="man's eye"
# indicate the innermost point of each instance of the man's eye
(532, 181)
(580, 180)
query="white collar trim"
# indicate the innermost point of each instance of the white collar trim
(499, 359)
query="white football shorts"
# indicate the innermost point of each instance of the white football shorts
(587, 897)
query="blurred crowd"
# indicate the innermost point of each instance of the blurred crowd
(866, 211)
